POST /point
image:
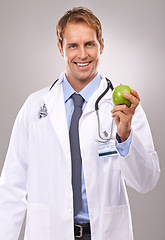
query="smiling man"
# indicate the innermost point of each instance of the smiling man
(81, 50)
(68, 165)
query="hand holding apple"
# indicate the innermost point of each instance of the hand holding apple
(123, 113)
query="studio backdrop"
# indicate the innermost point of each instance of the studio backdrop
(134, 54)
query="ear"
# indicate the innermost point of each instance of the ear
(60, 49)
(102, 46)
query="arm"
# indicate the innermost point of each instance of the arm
(13, 183)
(140, 167)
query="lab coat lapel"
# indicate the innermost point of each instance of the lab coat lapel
(54, 101)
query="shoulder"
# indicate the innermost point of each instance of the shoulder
(32, 103)
(38, 94)
(35, 99)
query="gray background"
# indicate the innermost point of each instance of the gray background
(134, 33)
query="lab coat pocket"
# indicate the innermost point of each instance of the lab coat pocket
(37, 226)
(110, 163)
(117, 223)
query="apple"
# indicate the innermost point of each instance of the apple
(117, 95)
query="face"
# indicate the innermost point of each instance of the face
(81, 51)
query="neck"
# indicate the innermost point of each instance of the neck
(79, 84)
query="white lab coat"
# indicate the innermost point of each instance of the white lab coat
(38, 164)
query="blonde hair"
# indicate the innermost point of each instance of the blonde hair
(78, 14)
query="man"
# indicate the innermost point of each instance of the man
(39, 174)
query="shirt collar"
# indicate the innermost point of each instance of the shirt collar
(86, 92)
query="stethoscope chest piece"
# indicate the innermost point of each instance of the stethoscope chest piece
(42, 112)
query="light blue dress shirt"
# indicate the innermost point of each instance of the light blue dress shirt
(123, 148)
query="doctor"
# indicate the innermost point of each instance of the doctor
(37, 174)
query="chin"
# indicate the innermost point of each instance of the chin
(86, 78)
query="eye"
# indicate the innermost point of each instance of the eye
(72, 46)
(90, 44)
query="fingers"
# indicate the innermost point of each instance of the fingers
(135, 94)
(133, 97)
(121, 110)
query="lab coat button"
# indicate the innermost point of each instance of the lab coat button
(69, 211)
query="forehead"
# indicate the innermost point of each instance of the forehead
(81, 31)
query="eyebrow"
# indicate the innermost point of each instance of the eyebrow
(93, 41)
(69, 44)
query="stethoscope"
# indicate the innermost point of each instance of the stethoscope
(42, 113)
(106, 139)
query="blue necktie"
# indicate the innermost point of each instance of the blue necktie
(75, 152)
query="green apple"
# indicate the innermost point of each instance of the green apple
(117, 95)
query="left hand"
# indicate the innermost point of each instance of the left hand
(123, 115)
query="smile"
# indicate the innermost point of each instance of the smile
(82, 64)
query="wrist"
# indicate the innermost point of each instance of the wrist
(123, 138)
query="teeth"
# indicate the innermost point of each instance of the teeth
(82, 64)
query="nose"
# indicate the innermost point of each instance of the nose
(82, 53)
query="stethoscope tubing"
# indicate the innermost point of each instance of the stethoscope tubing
(109, 86)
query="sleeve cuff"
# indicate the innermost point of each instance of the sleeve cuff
(123, 147)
